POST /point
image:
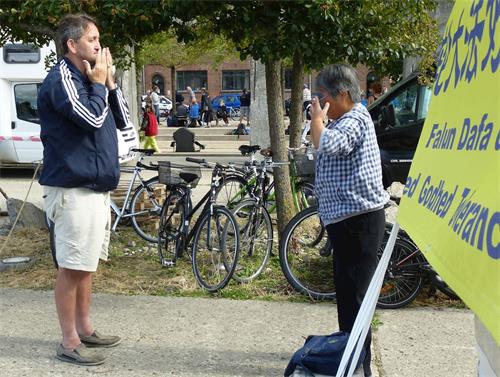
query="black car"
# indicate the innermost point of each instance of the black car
(399, 116)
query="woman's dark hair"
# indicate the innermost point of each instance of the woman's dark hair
(72, 26)
(337, 78)
(377, 87)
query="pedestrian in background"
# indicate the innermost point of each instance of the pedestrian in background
(206, 105)
(155, 99)
(194, 113)
(245, 106)
(306, 98)
(375, 92)
(150, 128)
(190, 93)
(179, 98)
(221, 114)
(80, 109)
(348, 185)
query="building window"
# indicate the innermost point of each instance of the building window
(21, 53)
(26, 96)
(159, 81)
(195, 79)
(288, 79)
(236, 80)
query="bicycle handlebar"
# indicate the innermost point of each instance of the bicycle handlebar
(208, 164)
(196, 160)
(147, 152)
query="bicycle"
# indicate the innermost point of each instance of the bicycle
(309, 269)
(214, 236)
(142, 206)
(254, 222)
(237, 186)
(406, 274)
(233, 113)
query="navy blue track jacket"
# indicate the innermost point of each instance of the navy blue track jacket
(78, 130)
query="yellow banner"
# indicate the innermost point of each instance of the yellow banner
(451, 200)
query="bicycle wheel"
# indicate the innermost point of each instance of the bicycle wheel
(404, 277)
(301, 261)
(231, 191)
(270, 198)
(215, 249)
(305, 195)
(145, 208)
(170, 238)
(440, 284)
(256, 239)
(235, 113)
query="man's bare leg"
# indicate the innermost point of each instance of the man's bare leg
(83, 299)
(66, 293)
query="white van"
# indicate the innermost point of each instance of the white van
(22, 70)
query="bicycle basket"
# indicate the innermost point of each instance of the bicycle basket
(169, 173)
(304, 166)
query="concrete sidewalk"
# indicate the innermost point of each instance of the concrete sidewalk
(170, 336)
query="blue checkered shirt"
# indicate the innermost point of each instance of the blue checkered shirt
(348, 168)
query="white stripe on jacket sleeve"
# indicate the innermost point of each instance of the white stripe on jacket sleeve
(78, 107)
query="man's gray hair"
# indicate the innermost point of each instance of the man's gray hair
(72, 26)
(337, 78)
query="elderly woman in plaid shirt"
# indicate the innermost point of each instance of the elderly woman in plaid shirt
(349, 188)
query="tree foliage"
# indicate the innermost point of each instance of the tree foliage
(163, 48)
(121, 22)
(376, 33)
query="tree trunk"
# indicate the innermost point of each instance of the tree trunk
(173, 85)
(258, 106)
(284, 199)
(295, 128)
(282, 82)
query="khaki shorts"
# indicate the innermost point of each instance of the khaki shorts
(82, 219)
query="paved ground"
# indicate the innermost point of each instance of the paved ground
(168, 336)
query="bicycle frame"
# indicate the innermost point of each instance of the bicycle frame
(122, 213)
(207, 202)
(299, 199)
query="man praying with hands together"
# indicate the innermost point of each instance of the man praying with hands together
(80, 110)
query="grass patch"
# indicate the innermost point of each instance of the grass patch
(133, 268)
(376, 322)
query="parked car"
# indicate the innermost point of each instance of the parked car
(165, 105)
(230, 100)
(398, 117)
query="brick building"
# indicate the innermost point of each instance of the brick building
(230, 77)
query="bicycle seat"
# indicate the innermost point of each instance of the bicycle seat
(188, 177)
(266, 152)
(247, 149)
(147, 152)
